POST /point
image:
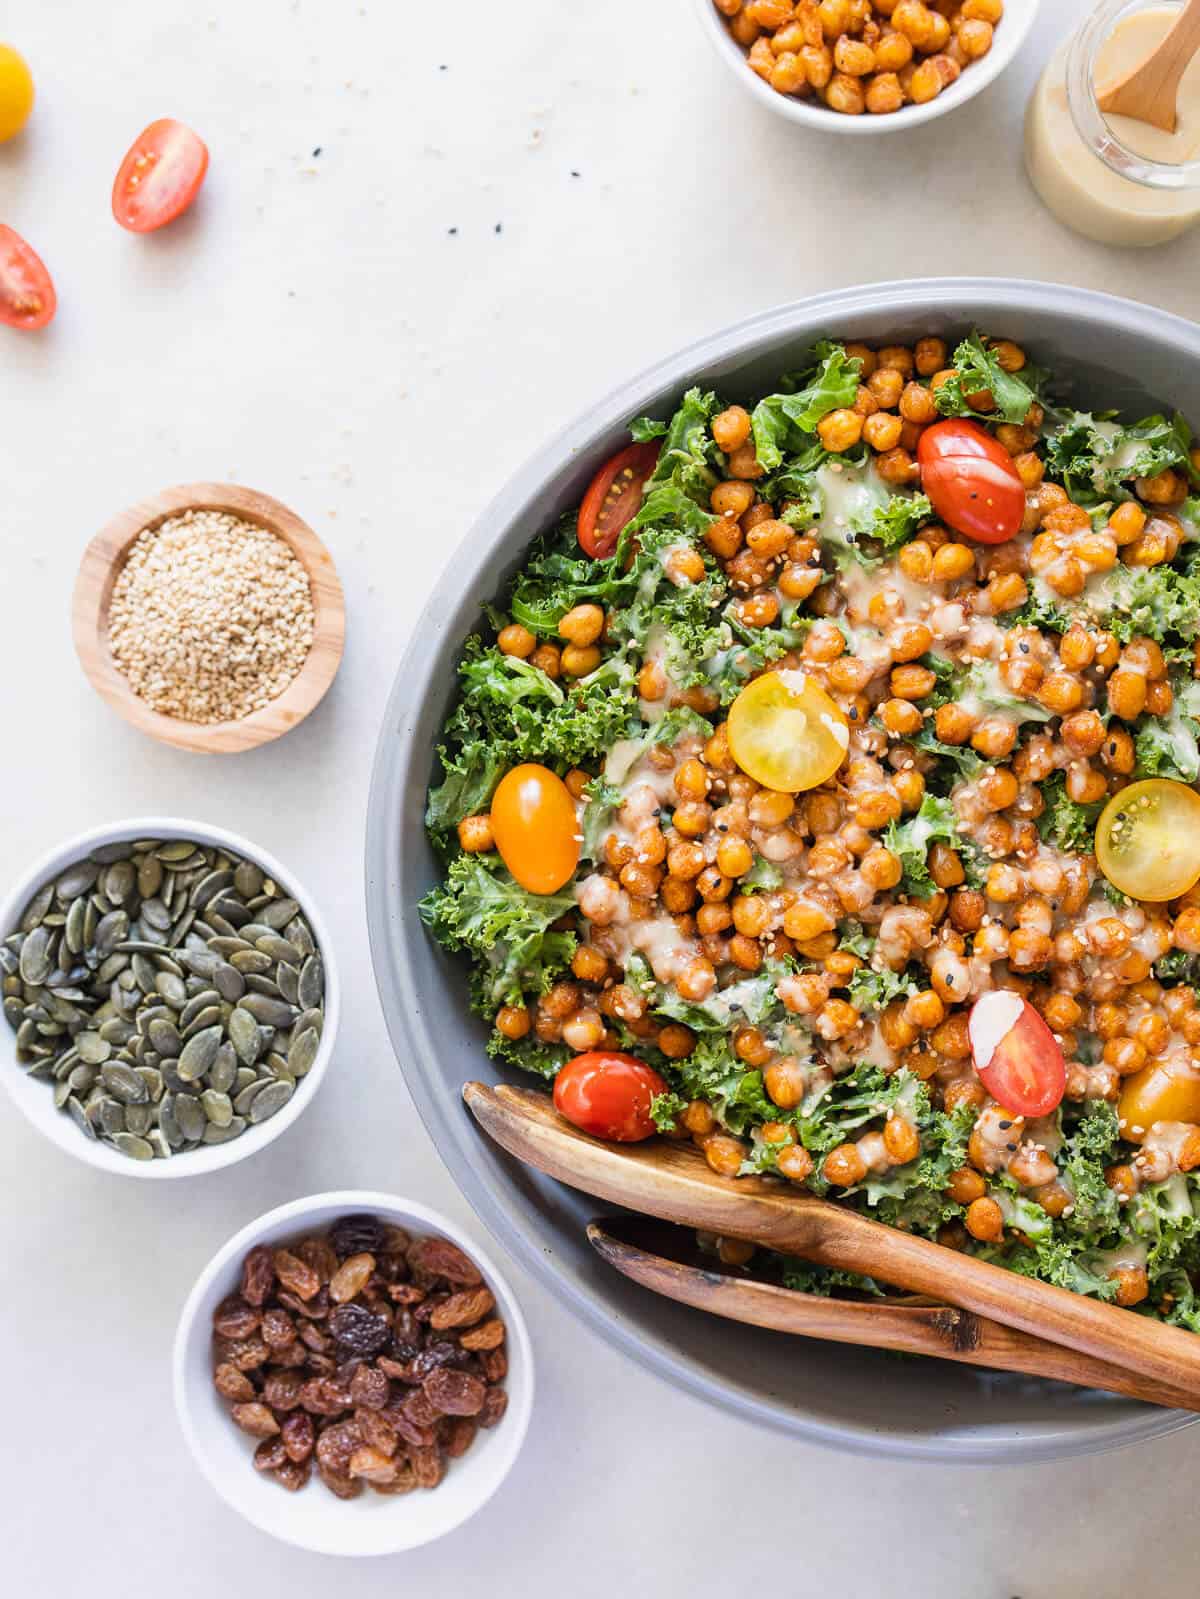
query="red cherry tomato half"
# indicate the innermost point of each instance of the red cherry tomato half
(159, 177)
(27, 297)
(608, 1095)
(614, 498)
(971, 481)
(1015, 1054)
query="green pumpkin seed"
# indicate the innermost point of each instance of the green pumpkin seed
(273, 1098)
(222, 1074)
(136, 1148)
(37, 956)
(172, 989)
(312, 982)
(279, 913)
(80, 1117)
(217, 1107)
(303, 1052)
(274, 1012)
(92, 1048)
(164, 1036)
(123, 1083)
(199, 1053)
(229, 982)
(139, 1119)
(223, 1135)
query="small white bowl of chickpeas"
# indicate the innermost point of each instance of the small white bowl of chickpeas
(865, 66)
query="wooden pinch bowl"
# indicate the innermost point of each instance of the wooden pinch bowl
(98, 570)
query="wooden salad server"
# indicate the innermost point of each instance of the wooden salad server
(908, 1323)
(1150, 90)
(673, 1182)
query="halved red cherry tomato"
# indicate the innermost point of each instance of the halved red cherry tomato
(1015, 1054)
(971, 481)
(27, 297)
(614, 498)
(535, 828)
(159, 177)
(608, 1095)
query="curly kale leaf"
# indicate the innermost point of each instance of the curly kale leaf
(666, 1109)
(784, 423)
(529, 1054)
(749, 999)
(481, 909)
(1158, 602)
(871, 991)
(910, 840)
(898, 521)
(1169, 746)
(689, 458)
(824, 1281)
(712, 1072)
(1065, 824)
(961, 757)
(976, 369)
(1177, 966)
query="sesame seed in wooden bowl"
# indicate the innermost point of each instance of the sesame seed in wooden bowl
(132, 626)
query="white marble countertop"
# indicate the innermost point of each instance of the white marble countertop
(430, 235)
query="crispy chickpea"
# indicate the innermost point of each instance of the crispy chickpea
(887, 385)
(769, 538)
(589, 965)
(577, 662)
(916, 404)
(840, 430)
(1126, 692)
(734, 857)
(900, 717)
(724, 1154)
(1127, 522)
(731, 428)
(513, 1021)
(985, 1220)
(1132, 1282)
(771, 808)
(926, 83)
(795, 1163)
(676, 1041)
(475, 834)
(582, 625)
(897, 466)
(853, 57)
(844, 1166)
(994, 737)
(1061, 693)
(880, 868)
(912, 682)
(884, 93)
(785, 1082)
(951, 562)
(901, 1140)
(965, 1185)
(516, 640)
(882, 431)
(752, 915)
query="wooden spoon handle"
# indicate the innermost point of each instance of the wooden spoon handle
(675, 1183)
(1149, 91)
(942, 1331)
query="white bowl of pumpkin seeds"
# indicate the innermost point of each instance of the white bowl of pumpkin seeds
(170, 1000)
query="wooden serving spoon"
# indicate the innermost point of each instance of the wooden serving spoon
(1150, 91)
(909, 1323)
(674, 1182)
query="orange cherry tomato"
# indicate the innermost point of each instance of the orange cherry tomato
(1148, 839)
(971, 481)
(536, 828)
(614, 498)
(27, 298)
(786, 733)
(1160, 1092)
(608, 1095)
(159, 177)
(1015, 1053)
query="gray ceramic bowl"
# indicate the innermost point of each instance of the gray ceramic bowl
(1118, 354)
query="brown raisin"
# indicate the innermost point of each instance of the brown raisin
(343, 1487)
(438, 1257)
(401, 1370)
(351, 1277)
(377, 1431)
(358, 1330)
(405, 1294)
(488, 1335)
(457, 1434)
(495, 1364)
(269, 1455)
(425, 1311)
(315, 1309)
(417, 1435)
(443, 1353)
(312, 1337)
(298, 1436)
(462, 1309)
(294, 1475)
(429, 1467)
(283, 1390)
(455, 1393)
(247, 1353)
(357, 1235)
(293, 1354)
(256, 1419)
(320, 1254)
(295, 1275)
(371, 1464)
(370, 1388)
(321, 1396)
(258, 1275)
(321, 1365)
(235, 1318)
(278, 1329)
(231, 1383)
(419, 1408)
(404, 1481)
(495, 1403)
(406, 1329)
(336, 1444)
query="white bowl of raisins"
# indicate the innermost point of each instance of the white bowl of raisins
(865, 88)
(353, 1374)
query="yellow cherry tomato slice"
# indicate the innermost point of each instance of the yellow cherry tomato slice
(16, 92)
(1158, 1093)
(1148, 839)
(786, 733)
(535, 828)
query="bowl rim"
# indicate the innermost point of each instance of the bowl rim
(415, 1045)
(1012, 31)
(59, 1129)
(105, 555)
(515, 1423)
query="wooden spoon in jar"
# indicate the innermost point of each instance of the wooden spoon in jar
(1150, 92)
(674, 1182)
(909, 1323)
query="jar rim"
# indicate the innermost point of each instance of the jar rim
(1090, 122)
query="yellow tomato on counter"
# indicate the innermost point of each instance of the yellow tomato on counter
(16, 92)
(1158, 1093)
(1148, 839)
(786, 733)
(535, 828)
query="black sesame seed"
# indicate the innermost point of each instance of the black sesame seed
(1004, 1126)
(316, 152)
